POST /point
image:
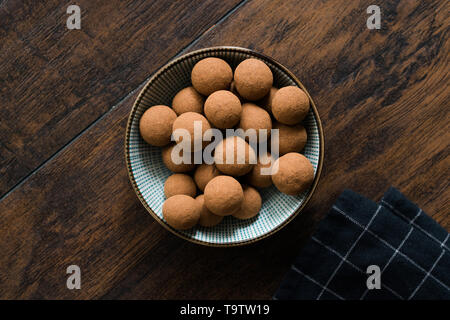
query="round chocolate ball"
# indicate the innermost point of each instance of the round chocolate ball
(234, 156)
(223, 109)
(156, 125)
(168, 160)
(179, 183)
(204, 173)
(188, 100)
(290, 138)
(253, 79)
(290, 105)
(181, 212)
(210, 75)
(254, 117)
(259, 177)
(250, 205)
(187, 121)
(292, 173)
(223, 195)
(207, 218)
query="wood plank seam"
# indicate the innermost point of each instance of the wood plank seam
(139, 87)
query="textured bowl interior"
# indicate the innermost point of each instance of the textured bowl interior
(148, 173)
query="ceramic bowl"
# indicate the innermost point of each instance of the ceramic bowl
(148, 173)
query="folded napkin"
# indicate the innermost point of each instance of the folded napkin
(409, 249)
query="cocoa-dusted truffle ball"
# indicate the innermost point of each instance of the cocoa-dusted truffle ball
(156, 125)
(188, 100)
(294, 175)
(181, 212)
(266, 101)
(254, 117)
(291, 138)
(223, 109)
(253, 79)
(207, 218)
(261, 178)
(234, 156)
(290, 105)
(250, 205)
(210, 75)
(187, 121)
(171, 165)
(204, 173)
(223, 195)
(179, 183)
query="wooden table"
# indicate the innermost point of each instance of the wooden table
(65, 96)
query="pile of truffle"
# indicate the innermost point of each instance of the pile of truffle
(220, 99)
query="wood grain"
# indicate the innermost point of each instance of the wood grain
(382, 97)
(54, 82)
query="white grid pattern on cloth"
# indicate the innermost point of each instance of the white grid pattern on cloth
(390, 246)
(391, 258)
(416, 216)
(316, 282)
(348, 252)
(353, 265)
(427, 275)
(441, 243)
(445, 240)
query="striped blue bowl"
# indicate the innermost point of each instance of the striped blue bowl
(148, 173)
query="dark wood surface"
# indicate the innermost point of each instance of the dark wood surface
(382, 96)
(55, 82)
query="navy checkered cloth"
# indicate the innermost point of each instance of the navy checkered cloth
(410, 249)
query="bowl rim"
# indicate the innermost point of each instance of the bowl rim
(132, 114)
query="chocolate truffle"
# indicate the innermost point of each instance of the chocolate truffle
(266, 101)
(256, 177)
(207, 218)
(210, 75)
(179, 183)
(171, 165)
(254, 117)
(186, 121)
(156, 125)
(291, 138)
(250, 205)
(294, 175)
(188, 100)
(253, 79)
(290, 105)
(204, 173)
(223, 195)
(223, 109)
(181, 212)
(234, 156)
